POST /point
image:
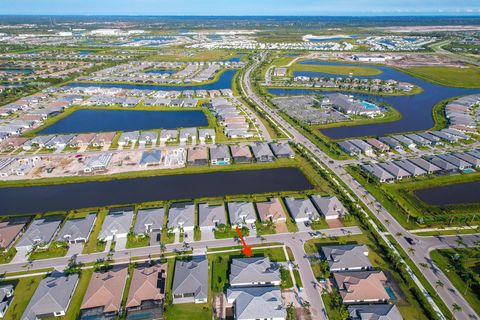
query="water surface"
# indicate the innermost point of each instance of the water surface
(62, 197)
(461, 193)
(125, 120)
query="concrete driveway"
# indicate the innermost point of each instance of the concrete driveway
(74, 249)
(208, 235)
(20, 257)
(120, 243)
(188, 236)
(302, 227)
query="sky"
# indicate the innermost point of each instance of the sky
(242, 7)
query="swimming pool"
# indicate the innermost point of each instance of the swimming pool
(390, 293)
(368, 105)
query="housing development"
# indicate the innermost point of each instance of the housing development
(190, 167)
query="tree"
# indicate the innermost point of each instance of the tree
(411, 250)
(306, 306)
(456, 308)
(423, 265)
(439, 283)
(290, 311)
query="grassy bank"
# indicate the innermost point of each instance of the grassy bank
(336, 70)
(467, 77)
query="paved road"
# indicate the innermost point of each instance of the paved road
(448, 295)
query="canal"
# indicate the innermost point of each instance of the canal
(416, 110)
(62, 197)
(461, 193)
(104, 120)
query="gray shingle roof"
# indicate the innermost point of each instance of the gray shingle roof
(153, 217)
(347, 256)
(250, 270)
(116, 223)
(238, 212)
(374, 312)
(208, 215)
(181, 214)
(329, 206)
(40, 231)
(77, 228)
(257, 303)
(301, 208)
(191, 277)
(52, 295)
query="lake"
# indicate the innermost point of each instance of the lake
(461, 193)
(223, 82)
(104, 120)
(62, 197)
(416, 110)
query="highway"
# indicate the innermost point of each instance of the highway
(447, 293)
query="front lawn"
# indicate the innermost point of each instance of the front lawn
(6, 257)
(265, 228)
(134, 241)
(229, 233)
(55, 250)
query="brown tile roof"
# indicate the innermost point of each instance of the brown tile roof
(361, 285)
(9, 232)
(144, 285)
(105, 290)
(241, 151)
(272, 208)
(83, 138)
(200, 153)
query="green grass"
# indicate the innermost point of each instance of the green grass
(93, 245)
(189, 311)
(298, 279)
(337, 70)
(332, 311)
(264, 229)
(53, 251)
(468, 77)
(197, 234)
(74, 309)
(6, 257)
(463, 271)
(166, 237)
(134, 241)
(287, 282)
(319, 224)
(219, 264)
(24, 290)
(229, 232)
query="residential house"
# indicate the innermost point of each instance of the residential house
(257, 303)
(262, 152)
(52, 297)
(361, 286)
(443, 164)
(407, 142)
(282, 150)
(82, 140)
(6, 297)
(104, 294)
(330, 207)
(302, 210)
(181, 216)
(148, 137)
(151, 158)
(349, 148)
(211, 216)
(40, 233)
(147, 291)
(188, 133)
(394, 170)
(374, 311)
(392, 143)
(197, 156)
(149, 220)
(97, 162)
(128, 137)
(241, 213)
(271, 210)
(241, 154)
(410, 168)
(168, 136)
(10, 230)
(259, 271)
(219, 155)
(363, 146)
(116, 224)
(77, 230)
(430, 168)
(103, 139)
(457, 162)
(349, 257)
(378, 145)
(204, 134)
(190, 281)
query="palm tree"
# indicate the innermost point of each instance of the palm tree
(411, 250)
(306, 306)
(439, 283)
(423, 265)
(456, 308)
(387, 222)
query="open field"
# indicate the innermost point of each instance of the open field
(468, 77)
(336, 70)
